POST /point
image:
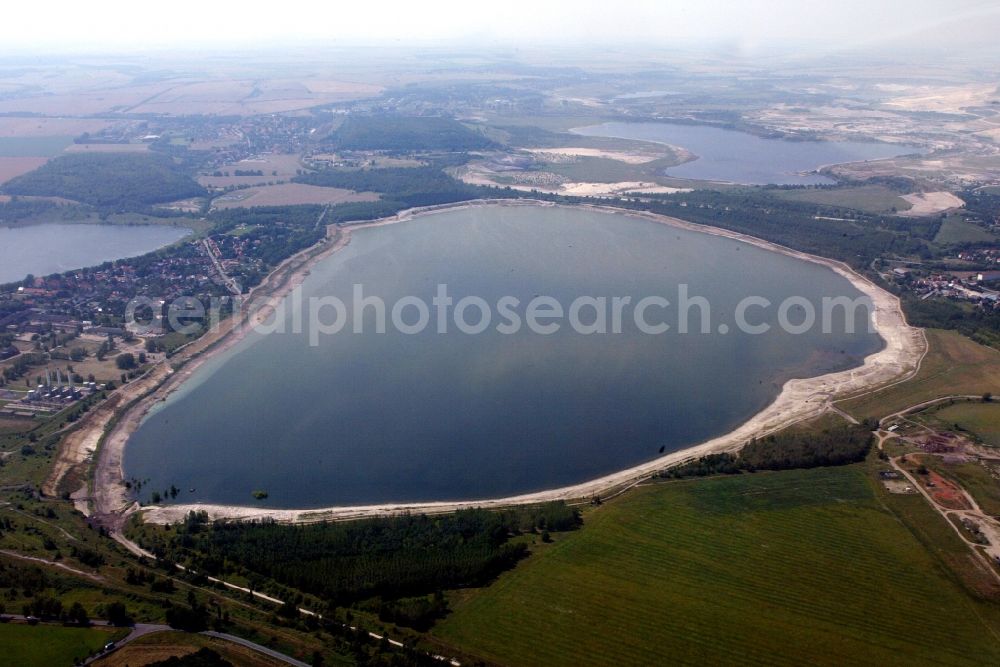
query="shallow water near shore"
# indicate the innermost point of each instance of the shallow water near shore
(394, 417)
(50, 248)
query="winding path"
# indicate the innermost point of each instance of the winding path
(987, 523)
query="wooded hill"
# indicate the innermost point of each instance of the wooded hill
(109, 181)
(407, 133)
(789, 449)
(346, 562)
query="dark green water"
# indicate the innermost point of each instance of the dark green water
(397, 417)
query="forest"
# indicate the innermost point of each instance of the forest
(981, 324)
(983, 203)
(792, 448)
(110, 182)
(343, 563)
(407, 133)
(18, 209)
(406, 187)
(856, 240)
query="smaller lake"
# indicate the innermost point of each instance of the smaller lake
(739, 157)
(50, 248)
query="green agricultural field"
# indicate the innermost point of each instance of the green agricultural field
(772, 568)
(981, 419)
(954, 365)
(602, 170)
(50, 645)
(114, 182)
(868, 198)
(407, 133)
(955, 231)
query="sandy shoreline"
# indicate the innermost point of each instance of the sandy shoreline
(799, 399)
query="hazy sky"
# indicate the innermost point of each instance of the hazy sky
(749, 25)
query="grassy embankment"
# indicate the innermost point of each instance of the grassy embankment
(48, 645)
(954, 365)
(766, 568)
(955, 230)
(868, 198)
(980, 419)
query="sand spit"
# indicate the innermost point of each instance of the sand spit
(614, 189)
(619, 156)
(798, 400)
(572, 188)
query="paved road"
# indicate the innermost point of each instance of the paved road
(143, 629)
(230, 282)
(256, 647)
(138, 630)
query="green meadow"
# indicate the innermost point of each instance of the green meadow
(772, 568)
(50, 645)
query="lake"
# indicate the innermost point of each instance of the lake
(739, 157)
(56, 247)
(368, 418)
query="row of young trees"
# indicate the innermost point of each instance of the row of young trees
(391, 132)
(981, 324)
(836, 445)
(21, 209)
(799, 225)
(407, 186)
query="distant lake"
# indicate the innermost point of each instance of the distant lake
(56, 247)
(740, 157)
(46, 146)
(367, 418)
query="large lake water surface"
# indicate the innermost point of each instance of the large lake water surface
(368, 418)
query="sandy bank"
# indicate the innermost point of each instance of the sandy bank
(799, 399)
(929, 203)
(628, 157)
(574, 188)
